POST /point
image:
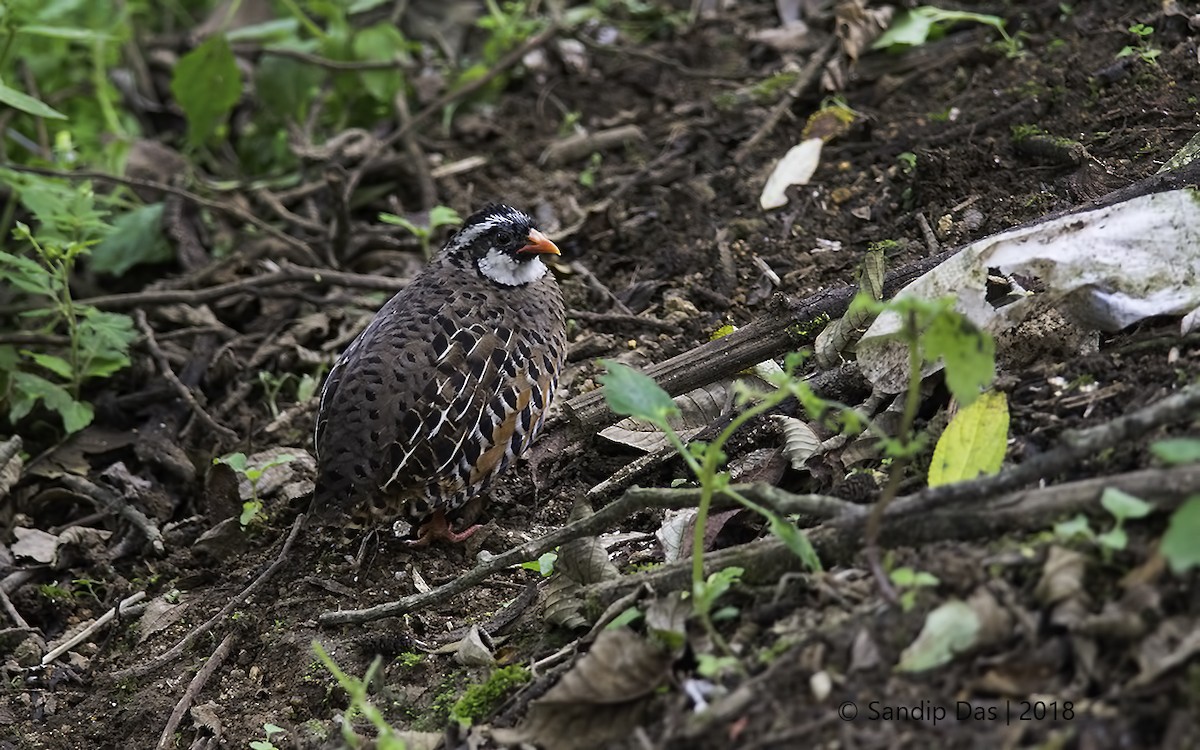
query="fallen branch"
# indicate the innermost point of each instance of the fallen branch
(634, 500)
(219, 655)
(837, 541)
(91, 629)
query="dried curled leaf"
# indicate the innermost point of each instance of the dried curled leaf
(696, 410)
(603, 698)
(799, 440)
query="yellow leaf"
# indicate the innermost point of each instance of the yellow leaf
(973, 443)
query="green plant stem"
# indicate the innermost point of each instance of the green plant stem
(100, 83)
(912, 401)
(67, 310)
(303, 18)
(9, 36)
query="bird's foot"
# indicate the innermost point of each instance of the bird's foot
(438, 529)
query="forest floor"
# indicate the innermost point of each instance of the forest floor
(663, 242)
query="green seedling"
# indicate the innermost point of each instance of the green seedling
(252, 508)
(40, 265)
(1122, 506)
(1141, 47)
(924, 23)
(544, 565)
(269, 730)
(439, 216)
(909, 582)
(386, 737)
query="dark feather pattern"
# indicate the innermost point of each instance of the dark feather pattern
(447, 385)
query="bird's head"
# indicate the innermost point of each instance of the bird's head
(502, 243)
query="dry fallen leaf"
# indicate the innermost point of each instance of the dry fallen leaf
(604, 697)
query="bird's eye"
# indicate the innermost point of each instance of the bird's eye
(504, 236)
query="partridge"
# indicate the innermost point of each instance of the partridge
(449, 383)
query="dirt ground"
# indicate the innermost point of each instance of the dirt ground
(663, 243)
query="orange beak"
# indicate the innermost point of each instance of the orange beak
(540, 244)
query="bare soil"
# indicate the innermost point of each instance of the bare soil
(676, 243)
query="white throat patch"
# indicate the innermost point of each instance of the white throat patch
(504, 269)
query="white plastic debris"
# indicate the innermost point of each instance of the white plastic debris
(795, 168)
(1106, 269)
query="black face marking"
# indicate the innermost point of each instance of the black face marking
(496, 226)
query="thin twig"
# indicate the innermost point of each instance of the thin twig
(219, 655)
(117, 506)
(228, 208)
(177, 650)
(91, 629)
(164, 365)
(808, 75)
(286, 273)
(635, 499)
(635, 321)
(13, 614)
(324, 62)
(417, 159)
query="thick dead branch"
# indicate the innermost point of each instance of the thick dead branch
(837, 541)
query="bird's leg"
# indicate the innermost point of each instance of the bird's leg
(437, 528)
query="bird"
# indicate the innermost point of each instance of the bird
(449, 383)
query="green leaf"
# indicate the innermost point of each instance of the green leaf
(136, 238)
(787, 532)
(28, 389)
(1179, 544)
(632, 394)
(400, 221)
(70, 33)
(974, 442)
(443, 216)
(717, 584)
(27, 104)
(275, 30)
(285, 87)
(919, 24)
(628, 616)
(105, 338)
(968, 353)
(306, 388)
(1176, 451)
(949, 630)
(250, 511)
(280, 460)
(909, 578)
(1115, 539)
(544, 565)
(27, 275)
(381, 43)
(207, 84)
(56, 365)
(235, 461)
(1122, 505)
(1077, 526)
